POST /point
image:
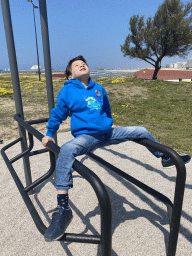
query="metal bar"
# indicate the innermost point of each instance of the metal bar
(104, 203)
(14, 159)
(179, 188)
(97, 185)
(38, 121)
(138, 183)
(37, 152)
(39, 72)
(47, 57)
(180, 181)
(45, 176)
(12, 143)
(179, 191)
(34, 214)
(46, 51)
(81, 238)
(15, 81)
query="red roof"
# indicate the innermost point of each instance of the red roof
(59, 75)
(164, 74)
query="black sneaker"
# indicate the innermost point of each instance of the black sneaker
(60, 221)
(168, 163)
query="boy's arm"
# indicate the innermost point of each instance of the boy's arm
(58, 115)
(106, 105)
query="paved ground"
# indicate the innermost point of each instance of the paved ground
(140, 222)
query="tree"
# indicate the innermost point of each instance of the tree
(169, 33)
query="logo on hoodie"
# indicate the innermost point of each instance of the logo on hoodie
(93, 104)
(98, 95)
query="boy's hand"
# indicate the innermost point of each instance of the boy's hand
(46, 139)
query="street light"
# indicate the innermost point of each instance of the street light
(36, 7)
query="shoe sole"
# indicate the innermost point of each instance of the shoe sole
(169, 167)
(67, 224)
(174, 164)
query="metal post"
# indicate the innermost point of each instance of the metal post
(47, 56)
(39, 72)
(36, 7)
(46, 51)
(15, 82)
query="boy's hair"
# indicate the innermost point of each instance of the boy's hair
(68, 68)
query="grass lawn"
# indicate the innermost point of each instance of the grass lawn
(164, 108)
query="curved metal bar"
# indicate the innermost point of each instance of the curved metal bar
(45, 176)
(81, 238)
(34, 214)
(24, 152)
(104, 203)
(138, 183)
(12, 143)
(99, 188)
(103, 196)
(179, 190)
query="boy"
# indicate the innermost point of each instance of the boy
(91, 125)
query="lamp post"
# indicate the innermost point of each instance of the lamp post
(36, 7)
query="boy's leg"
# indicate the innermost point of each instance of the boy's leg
(129, 133)
(78, 146)
(63, 214)
(121, 134)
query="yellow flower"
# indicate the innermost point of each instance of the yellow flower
(4, 91)
(116, 80)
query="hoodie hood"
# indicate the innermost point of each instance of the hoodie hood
(76, 82)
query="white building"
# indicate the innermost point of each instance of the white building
(179, 65)
(189, 63)
(35, 68)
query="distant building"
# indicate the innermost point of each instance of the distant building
(189, 64)
(35, 68)
(177, 65)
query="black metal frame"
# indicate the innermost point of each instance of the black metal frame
(104, 202)
(105, 239)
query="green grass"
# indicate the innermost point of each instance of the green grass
(164, 108)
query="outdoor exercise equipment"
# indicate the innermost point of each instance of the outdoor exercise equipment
(105, 238)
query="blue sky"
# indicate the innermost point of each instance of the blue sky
(94, 29)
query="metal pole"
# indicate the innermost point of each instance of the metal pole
(39, 72)
(47, 60)
(15, 82)
(46, 51)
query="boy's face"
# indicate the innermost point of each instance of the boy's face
(79, 69)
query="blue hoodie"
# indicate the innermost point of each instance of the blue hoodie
(89, 107)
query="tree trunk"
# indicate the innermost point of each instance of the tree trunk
(155, 72)
(157, 68)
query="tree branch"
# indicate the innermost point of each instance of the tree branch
(148, 61)
(151, 59)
